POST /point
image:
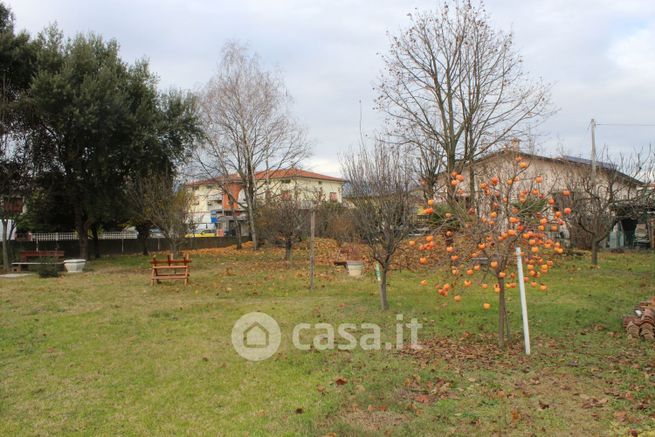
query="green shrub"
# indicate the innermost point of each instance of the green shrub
(48, 268)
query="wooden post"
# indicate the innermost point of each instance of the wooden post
(312, 231)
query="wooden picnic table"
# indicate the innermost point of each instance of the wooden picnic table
(170, 268)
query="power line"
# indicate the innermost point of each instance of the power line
(627, 124)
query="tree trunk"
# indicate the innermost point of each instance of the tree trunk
(237, 232)
(96, 241)
(253, 231)
(471, 200)
(383, 288)
(594, 252)
(5, 248)
(82, 228)
(143, 234)
(502, 315)
(172, 243)
(84, 243)
(287, 249)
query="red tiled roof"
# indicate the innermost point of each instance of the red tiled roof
(290, 173)
(295, 173)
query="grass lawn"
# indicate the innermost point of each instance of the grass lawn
(103, 354)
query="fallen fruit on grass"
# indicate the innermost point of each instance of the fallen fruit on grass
(486, 306)
(457, 298)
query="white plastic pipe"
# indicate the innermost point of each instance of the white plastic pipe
(524, 305)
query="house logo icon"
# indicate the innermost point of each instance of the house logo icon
(256, 336)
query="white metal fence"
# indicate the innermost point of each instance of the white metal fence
(68, 236)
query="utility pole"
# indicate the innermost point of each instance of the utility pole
(593, 151)
(312, 231)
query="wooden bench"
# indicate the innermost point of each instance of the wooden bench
(170, 269)
(27, 255)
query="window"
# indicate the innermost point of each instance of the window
(286, 181)
(320, 182)
(333, 196)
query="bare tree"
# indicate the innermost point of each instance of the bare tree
(454, 87)
(157, 199)
(333, 221)
(285, 216)
(429, 165)
(383, 207)
(248, 126)
(620, 188)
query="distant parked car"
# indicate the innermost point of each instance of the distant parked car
(156, 233)
(203, 233)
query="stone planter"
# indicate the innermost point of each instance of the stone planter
(74, 265)
(355, 268)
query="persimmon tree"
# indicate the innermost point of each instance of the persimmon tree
(512, 209)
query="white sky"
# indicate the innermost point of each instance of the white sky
(598, 54)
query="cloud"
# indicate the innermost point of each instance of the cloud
(598, 54)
